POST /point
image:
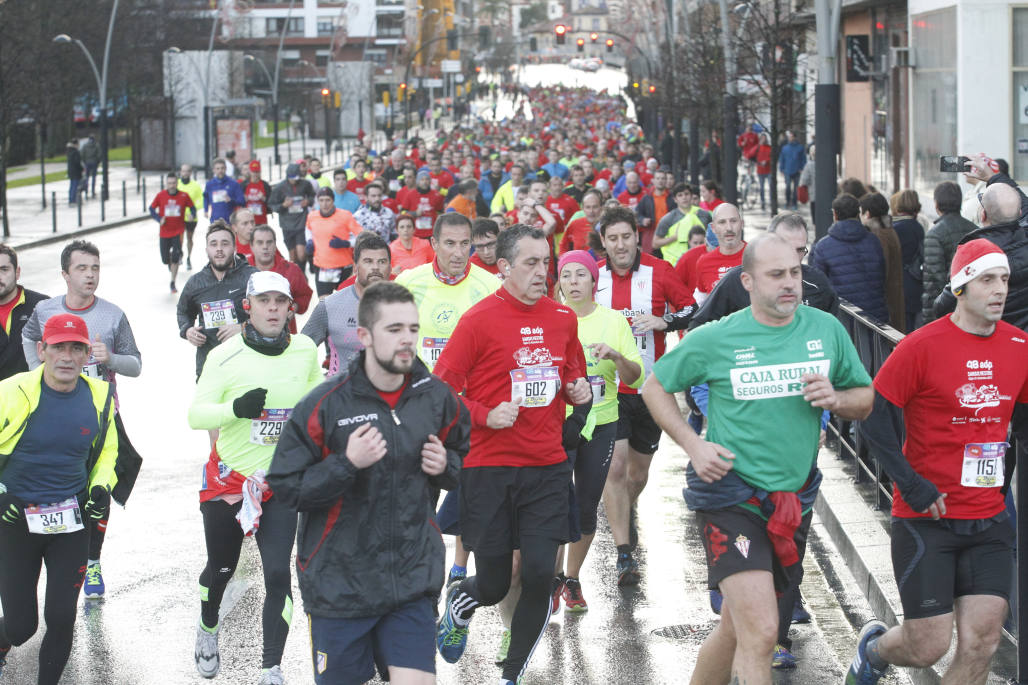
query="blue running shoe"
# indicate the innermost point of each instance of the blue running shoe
(628, 570)
(716, 598)
(800, 613)
(450, 638)
(861, 671)
(455, 577)
(782, 658)
(93, 588)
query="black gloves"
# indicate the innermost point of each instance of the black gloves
(250, 404)
(99, 505)
(10, 508)
(573, 425)
(337, 242)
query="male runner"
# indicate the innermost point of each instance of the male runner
(113, 352)
(246, 392)
(952, 385)
(168, 209)
(210, 308)
(673, 231)
(291, 199)
(257, 192)
(332, 232)
(517, 359)
(16, 306)
(363, 457)
(222, 194)
(335, 318)
(373, 216)
(647, 292)
(772, 368)
(576, 237)
(267, 258)
(56, 469)
(242, 222)
(484, 234)
(727, 225)
(191, 187)
(424, 203)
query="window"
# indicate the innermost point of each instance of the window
(273, 26)
(934, 99)
(1019, 168)
(326, 27)
(375, 55)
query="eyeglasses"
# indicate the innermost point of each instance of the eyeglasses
(802, 251)
(485, 246)
(980, 200)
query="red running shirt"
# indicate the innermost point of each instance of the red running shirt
(503, 348)
(256, 196)
(711, 266)
(172, 208)
(957, 390)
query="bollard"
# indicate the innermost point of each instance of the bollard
(139, 176)
(53, 209)
(79, 206)
(144, 194)
(124, 199)
(103, 209)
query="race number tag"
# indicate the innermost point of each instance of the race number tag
(256, 208)
(329, 275)
(431, 348)
(172, 209)
(218, 314)
(266, 428)
(598, 384)
(394, 185)
(423, 222)
(92, 370)
(537, 386)
(51, 519)
(219, 196)
(640, 339)
(983, 464)
(295, 208)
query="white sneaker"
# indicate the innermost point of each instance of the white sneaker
(272, 676)
(206, 653)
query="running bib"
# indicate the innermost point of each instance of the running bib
(983, 464)
(219, 196)
(329, 275)
(51, 519)
(266, 428)
(423, 222)
(92, 370)
(394, 185)
(599, 388)
(640, 340)
(537, 386)
(431, 348)
(172, 209)
(218, 314)
(296, 207)
(256, 208)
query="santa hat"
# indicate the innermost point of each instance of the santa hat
(973, 259)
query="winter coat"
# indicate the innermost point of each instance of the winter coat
(367, 540)
(893, 275)
(12, 354)
(940, 244)
(853, 260)
(911, 238)
(791, 158)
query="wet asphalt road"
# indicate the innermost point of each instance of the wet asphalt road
(143, 631)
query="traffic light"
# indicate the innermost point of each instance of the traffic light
(385, 98)
(610, 45)
(451, 39)
(337, 99)
(325, 96)
(533, 44)
(581, 44)
(653, 89)
(594, 36)
(400, 91)
(635, 85)
(561, 32)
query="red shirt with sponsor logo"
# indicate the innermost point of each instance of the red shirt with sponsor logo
(430, 203)
(957, 391)
(648, 288)
(711, 266)
(630, 199)
(172, 208)
(576, 237)
(563, 207)
(502, 349)
(256, 196)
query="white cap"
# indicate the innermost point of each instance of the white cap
(267, 282)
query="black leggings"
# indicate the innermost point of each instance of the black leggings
(23, 554)
(224, 540)
(97, 532)
(591, 463)
(490, 585)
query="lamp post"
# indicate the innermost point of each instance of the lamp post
(273, 82)
(101, 84)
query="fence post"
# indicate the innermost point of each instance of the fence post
(138, 178)
(79, 205)
(53, 209)
(124, 198)
(144, 194)
(103, 209)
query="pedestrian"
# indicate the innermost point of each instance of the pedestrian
(57, 469)
(874, 214)
(791, 159)
(367, 451)
(940, 244)
(91, 161)
(74, 160)
(951, 543)
(750, 493)
(292, 199)
(16, 306)
(808, 178)
(905, 206)
(169, 209)
(763, 165)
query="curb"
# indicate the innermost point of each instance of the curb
(70, 235)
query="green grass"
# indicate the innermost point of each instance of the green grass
(34, 180)
(115, 154)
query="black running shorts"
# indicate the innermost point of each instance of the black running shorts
(933, 565)
(171, 249)
(636, 425)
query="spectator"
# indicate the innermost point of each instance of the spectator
(763, 159)
(853, 186)
(791, 159)
(807, 177)
(971, 207)
(905, 207)
(74, 171)
(874, 214)
(91, 160)
(852, 259)
(940, 244)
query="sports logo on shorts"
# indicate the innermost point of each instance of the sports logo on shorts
(742, 543)
(321, 662)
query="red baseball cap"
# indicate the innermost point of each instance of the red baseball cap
(65, 328)
(255, 166)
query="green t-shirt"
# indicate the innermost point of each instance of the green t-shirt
(606, 326)
(756, 407)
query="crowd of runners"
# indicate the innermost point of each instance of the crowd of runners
(512, 314)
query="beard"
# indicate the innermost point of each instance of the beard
(394, 365)
(6, 292)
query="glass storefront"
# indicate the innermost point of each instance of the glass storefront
(1019, 163)
(934, 98)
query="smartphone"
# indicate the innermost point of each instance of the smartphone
(953, 164)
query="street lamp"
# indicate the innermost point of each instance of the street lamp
(273, 82)
(101, 84)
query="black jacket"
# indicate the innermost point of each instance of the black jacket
(730, 296)
(204, 287)
(12, 354)
(367, 540)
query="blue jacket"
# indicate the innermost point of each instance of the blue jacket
(556, 169)
(485, 186)
(852, 258)
(222, 209)
(792, 158)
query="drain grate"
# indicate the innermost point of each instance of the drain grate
(685, 632)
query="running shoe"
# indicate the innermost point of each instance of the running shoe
(455, 577)
(93, 588)
(574, 601)
(206, 652)
(783, 658)
(189, 264)
(862, 672)
(450, 638)
(716, 599)
(628, 570)
(272, 676)
(173, 288)
(800, 613)
(501, 653)
(556, 592)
